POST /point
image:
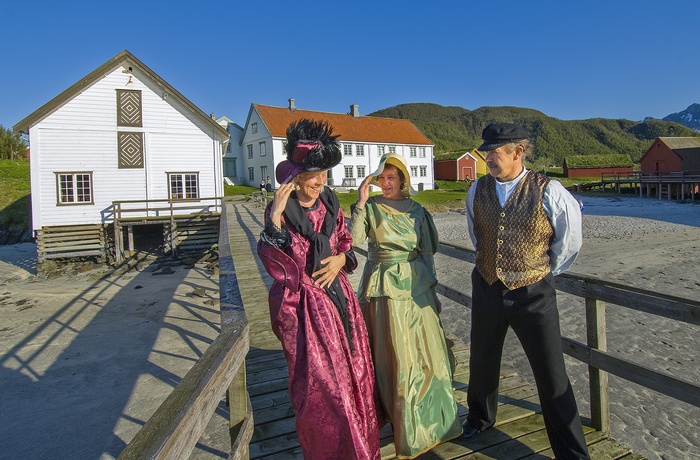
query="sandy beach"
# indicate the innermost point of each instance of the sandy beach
(58, 335)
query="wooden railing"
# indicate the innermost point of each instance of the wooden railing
(177, 425)
(164, 208)
(595, 293)
(648, 175)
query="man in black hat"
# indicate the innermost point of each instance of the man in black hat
(525, 228)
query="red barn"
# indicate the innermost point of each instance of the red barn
(464, 167)
(672, 154)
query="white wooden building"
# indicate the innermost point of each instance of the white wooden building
(232, 154)
(120, 147)
(364, 140)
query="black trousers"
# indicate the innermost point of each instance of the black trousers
(532, 313)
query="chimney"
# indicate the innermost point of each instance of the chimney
(292, 107)
(355, 110)
(213, 116)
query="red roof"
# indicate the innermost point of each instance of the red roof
(362, 129)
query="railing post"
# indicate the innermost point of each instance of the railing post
(596, 332)
(240, 413)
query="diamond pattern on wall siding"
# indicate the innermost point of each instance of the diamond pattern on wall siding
(128, 108)
(130, 150)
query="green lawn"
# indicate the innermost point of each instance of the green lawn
(14, 199)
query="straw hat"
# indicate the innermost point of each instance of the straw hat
(397, 160)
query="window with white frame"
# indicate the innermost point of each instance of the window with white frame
(392, 149)
(228, 148)
(74, 188)
(361, 171)
(414, 171)
(263, 172)
(251, 174)
(421, 152)
(360, 150)
(380, 150)
(263, 149)
(348, 172)
(412, 151)
(254, 128)
(423, 171)
(347, 150)
(183, 186)
(250, 151)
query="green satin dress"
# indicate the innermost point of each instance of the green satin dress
(413, 371)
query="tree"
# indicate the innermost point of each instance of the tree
(12, 146)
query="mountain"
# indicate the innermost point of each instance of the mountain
(690, 117)
(455, 130)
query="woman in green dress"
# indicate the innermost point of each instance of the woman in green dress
(398, 300)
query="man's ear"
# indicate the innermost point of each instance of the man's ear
(518, 151)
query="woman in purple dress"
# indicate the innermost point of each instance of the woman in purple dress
(307, 250)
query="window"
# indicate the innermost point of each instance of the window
(251, 174)
(347, 149)
(421, 152)
(348, 172)
(250, 151)
(380, 150)
(183, 186)
(228, 148)
(361, 171)
(423, 171)
(360, 150)
(254, 128)
(412, 151)
(74, 188)
(414, 171)
(263, 172)
(392, 149)
(263, 149)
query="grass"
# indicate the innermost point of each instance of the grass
(14, 199)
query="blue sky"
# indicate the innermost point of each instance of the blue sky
(568, 59)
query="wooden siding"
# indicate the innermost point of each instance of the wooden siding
(456, 169)
(595, 172)
(81, 135)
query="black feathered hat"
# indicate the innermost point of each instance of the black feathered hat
(311, 146)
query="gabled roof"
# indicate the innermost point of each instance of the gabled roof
(125, 59)
(679, 143)
(360, 129)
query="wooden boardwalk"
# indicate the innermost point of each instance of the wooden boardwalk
(519, 432)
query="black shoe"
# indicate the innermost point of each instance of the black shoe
(468, 431)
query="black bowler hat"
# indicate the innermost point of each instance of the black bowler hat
(498, 134)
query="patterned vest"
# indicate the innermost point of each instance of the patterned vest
(512, 242)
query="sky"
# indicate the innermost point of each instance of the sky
(571, 60)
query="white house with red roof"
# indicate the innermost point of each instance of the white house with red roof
(363, 141)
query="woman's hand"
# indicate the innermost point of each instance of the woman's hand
(363, 192)
(279, 201)
(331, 266)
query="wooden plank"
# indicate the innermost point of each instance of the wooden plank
(660, 381)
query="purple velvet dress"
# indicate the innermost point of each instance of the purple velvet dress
(331, 386)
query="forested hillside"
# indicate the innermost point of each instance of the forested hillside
(455, 130)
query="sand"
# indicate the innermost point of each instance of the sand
(61, 340)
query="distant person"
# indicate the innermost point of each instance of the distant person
(400, 306)
(580, 203)
(307, 250)
(268, 185)
(526, 228)
(263, 190)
